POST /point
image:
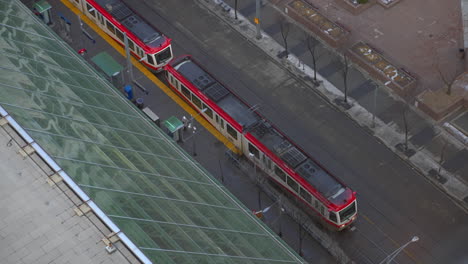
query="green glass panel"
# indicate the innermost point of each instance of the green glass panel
(166, 203)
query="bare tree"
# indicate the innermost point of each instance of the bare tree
(345, 71)
(285, 26)
(442, 154)
(447, 79)
(312, 47)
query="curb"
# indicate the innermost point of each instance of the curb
(424, 161)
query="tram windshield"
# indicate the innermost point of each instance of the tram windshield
(348, 212)
(163, 56)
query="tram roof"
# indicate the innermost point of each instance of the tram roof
(219, 94)
(307, 168)
(172, 209)
(133, 22)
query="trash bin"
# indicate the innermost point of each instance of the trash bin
(128, 91)
(139, 103)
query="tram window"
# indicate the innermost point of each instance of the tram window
(333, 217)
(208, 111)
(171, 79)
(185, 91)
(196, 102)
(163, 55)
(347, 212)
(316, 204)
(231, 131)
(119, 35)
(254, 151)
(280, 173)
(217, 119)
(110, 27)
(150, 59)
(304, 194)
(131, 45)
(91, 10)
(293, 184)
(222, 123)
(322, 210)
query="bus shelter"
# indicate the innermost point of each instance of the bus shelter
(42, 10)
(174, 128)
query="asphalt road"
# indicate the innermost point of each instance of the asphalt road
(394, 201)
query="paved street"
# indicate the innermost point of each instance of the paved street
(395, 202)
(209, 151)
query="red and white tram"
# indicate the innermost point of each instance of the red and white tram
(145, 42)
(263, 144)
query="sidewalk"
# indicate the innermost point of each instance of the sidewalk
(207, 149)
(426, 139)
(210, 152)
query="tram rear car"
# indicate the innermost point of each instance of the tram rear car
(263, 144)
(115, 18)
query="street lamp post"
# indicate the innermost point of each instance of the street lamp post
(375, 105)
(280, 233)
(257, 19)
(188, 124)
(252, 156)
(392, 255)
(194, 149)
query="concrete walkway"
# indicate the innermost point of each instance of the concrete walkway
(329, 66)
(370, 104)
(38, 223)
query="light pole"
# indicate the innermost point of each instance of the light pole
(375, 105)
(392, 255)
(257, 18)
(280, 233)
(188, 124)
(193, 141)
(252, 156)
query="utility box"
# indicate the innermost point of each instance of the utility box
(111, 68)
(174, 127)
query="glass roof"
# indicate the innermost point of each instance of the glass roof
(166, 204)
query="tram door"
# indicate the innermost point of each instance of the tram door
(266, 163)
(220, 123)
(101, 20)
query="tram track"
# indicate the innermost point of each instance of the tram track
(190, 37)
(187, 38)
